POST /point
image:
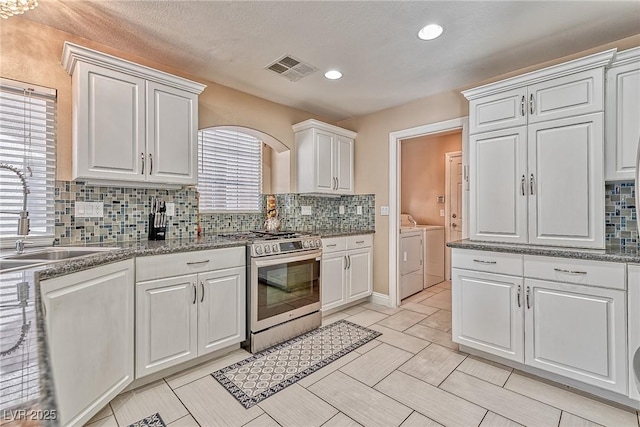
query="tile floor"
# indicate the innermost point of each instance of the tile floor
(412, 375)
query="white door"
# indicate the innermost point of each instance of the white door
(110, 118)
(166, 323)
(566, 206)
(498, 194)
(499, 111)
(453, 196)
(172, 121)
(578, 332)
(333, 279)
(343, 165)
(622, 125)
(487, 313)
(325, 179)
(222, 309)
(359, 274)
(89, 320)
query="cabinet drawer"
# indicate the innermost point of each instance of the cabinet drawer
(176, 264)
(491, 262)
(334, 244)
(361, 241)
(583, 272)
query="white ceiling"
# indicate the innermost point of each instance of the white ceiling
(373, 43)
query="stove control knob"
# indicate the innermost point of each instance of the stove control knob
(305, 244)
(258, 250)
(318, 243)
(267, 249)
(275, 248)
(311, 244)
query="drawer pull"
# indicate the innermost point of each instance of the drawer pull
(359, 241)
(519, 289)
(332, 246)
(528, 296)
(202, 287)
(198, 262)
(560, 270)
(485, 262)
(195, 293)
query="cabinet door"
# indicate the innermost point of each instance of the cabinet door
(499, 111)
(324, 158)
(89, 322)
(633, 311)
(222, 309)
(566, 207)
(622, 126)
(166, 323)
(172, 117)
(578, 332)
(572, 95)
(109, 138)
(359, 274)
(333, 280)
(498, 192)
(487, 313)
(344, 164)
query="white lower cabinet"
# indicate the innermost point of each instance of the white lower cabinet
(187, 316)
(89, 318)
(346, 270)
(563, 316)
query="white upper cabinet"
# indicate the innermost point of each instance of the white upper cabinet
(537, 149)
(132, 125)
(622, 127)
(324, 156)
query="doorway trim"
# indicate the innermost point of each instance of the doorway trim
(448, 157)
(395, 138)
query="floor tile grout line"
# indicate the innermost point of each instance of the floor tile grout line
(339, 412)
(181, 402)
(113, 412)
(485, 416)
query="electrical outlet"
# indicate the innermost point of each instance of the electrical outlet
(384, 210)
(341, 210)
(89, 209)
(441, 212)
(305, 210)
(171, 208)
(358, 210)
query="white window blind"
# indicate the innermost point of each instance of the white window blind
(230, 171)
(27, 141)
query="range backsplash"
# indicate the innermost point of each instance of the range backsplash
(620, 215)
(126, 213)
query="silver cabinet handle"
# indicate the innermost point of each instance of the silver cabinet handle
(337, 183)
(522, 107)
(198, 262)
(195, 292)
(528, 296)
(560, 270)
(532, 183)
(523, 185)
(349, 259)
(345, 262)
(359, 242)
(485, 262)
(532, 104)
(332, 246)
(202, 288)
(151, 160)
(519, 289)
(142, 158)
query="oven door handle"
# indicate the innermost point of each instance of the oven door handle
(262, 262)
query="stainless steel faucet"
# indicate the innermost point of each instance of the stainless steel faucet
(23, 222)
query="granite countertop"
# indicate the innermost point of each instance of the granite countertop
(26, 382)
(612, 254)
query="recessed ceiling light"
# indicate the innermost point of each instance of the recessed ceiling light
(333, 74)
(430, 32)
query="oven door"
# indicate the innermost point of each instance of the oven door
(284, 287)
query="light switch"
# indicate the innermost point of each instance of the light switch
(441, 212)
(341, 210)
(384, 210)
(171, 208)
(359, 210)
(305, 210)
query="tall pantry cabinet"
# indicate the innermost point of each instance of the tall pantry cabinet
(536, 156)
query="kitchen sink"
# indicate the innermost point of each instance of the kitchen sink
(6, 265)
(57, 254)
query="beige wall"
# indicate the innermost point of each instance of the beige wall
(423, 175)
(30, 52)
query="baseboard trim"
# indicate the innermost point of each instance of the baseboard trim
(380, 299)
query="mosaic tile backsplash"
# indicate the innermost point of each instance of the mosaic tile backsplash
(126, 213)
(620, 215)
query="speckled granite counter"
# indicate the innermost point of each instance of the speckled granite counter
(342, 233)
(26, 382)
(608, 254)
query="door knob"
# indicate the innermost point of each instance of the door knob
(454, 225)
(454, 216)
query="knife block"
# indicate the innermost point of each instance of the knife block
(156, 233)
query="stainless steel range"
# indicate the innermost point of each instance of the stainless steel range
(283, 286)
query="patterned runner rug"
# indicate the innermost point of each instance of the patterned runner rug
(263, 374)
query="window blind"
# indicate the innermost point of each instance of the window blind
(230, 171)
(27, 141)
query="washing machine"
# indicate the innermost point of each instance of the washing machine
(633, 310)
(411, 261)
(433, 248)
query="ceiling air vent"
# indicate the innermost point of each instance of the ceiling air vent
(291, 68)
